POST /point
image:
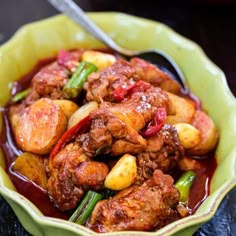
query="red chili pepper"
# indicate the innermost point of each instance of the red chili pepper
(70, 134)
(127, 89)
(120, 92)
(156, 124)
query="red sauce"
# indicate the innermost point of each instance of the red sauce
(198, 193)
(201, 185)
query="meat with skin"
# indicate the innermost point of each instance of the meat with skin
(48, 82)
(143, 208)
(128, 118)
(100, 85)
(91, 175)
(163, 152)
(71, 175)
(153, 75)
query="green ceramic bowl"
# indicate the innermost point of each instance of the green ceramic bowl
(43, 39)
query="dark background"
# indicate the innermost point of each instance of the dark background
(211, 23)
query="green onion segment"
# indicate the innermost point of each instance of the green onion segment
(184, 184)
(19, 96)
(86, 207)
(75, 84)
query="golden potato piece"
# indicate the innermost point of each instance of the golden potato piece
(100, 59)
(81, 113)
(40, 126)
(123, 173)
(32, 167)
(209, 136)
(67, 106)
(189, 136)
(184, 109)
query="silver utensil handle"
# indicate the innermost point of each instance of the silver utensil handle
(69, 8)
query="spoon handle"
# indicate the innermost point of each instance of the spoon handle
(72, 10)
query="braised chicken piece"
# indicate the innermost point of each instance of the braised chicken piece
(144, 208)
(72, 174)
(100, 85)
(115, 127)
(153, 75)
(49, 82)
(163, 152)
(62, 184)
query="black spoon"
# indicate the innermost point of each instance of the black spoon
(156, 57)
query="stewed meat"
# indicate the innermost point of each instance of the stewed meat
(128, 118)
(100, 85)
(146, 207)
(72, 174)
(163, 152)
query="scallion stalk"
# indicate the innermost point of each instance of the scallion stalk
(86, 207)
(75, 84)
(184, 184)
(19, 96)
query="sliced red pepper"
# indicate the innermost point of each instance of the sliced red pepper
(156, 124)
(70, 134)
(120, 92)
(139, 86)
(127, 89)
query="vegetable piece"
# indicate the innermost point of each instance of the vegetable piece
(209, 135)
(67, 106)
(156, 124)
(32, 167)
(127, 89)
(82, 112)
(100, 59)
(183, 107)
(184, 184)
(86, 207)
(189, 136)
(123, 173)
(70, 134)
(19, 96)
(75, 84)
(40, 126)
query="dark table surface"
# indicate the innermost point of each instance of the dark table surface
(212, 24)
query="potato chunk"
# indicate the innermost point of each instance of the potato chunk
(32, 167)
(189, 136)
(67, 106)
(40, 126)
(209, 135)
(183, 108)
(81, 113)
(100, 59)
(123, 174)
